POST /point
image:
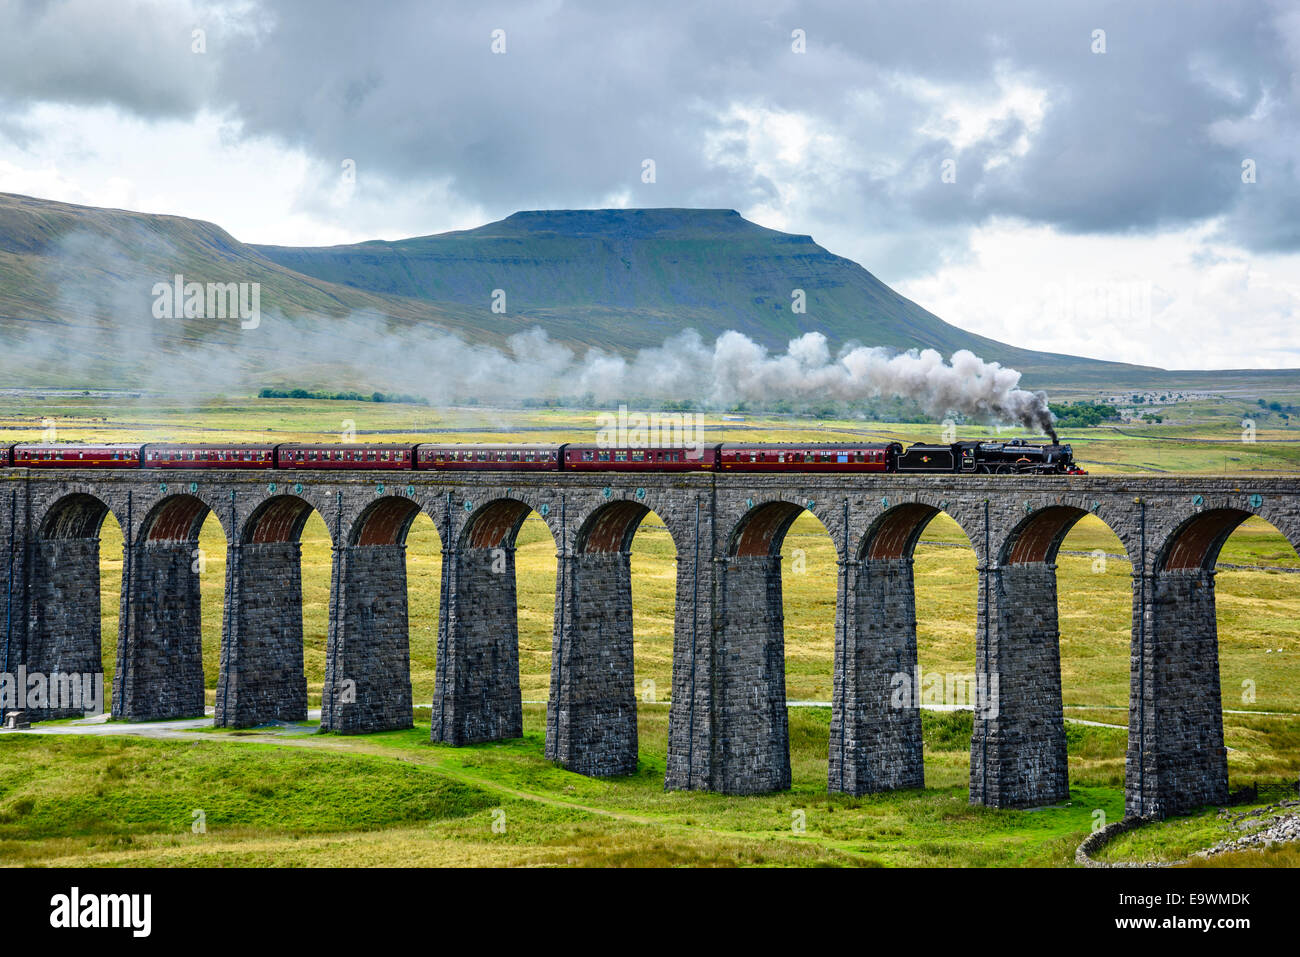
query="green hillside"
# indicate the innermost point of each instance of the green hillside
(76, 298)
(629, 278)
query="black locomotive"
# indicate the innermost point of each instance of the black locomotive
(983, 458)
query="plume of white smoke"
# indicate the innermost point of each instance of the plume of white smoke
(106, 286)
(738, 369)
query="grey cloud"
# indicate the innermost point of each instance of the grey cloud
(135, 55)
(1131, 140)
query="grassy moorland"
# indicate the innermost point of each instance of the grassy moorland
(396, 798)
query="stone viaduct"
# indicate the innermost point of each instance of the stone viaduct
(728, 726)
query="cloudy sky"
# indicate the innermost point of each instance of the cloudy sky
(1118, 180)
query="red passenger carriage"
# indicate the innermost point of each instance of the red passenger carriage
(328, 455)
(183, 455)
(40, 455)
(476, 456)
(596, 458)
(795, 457)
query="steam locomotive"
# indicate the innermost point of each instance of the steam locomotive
(970, 457)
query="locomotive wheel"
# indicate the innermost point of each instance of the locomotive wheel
(982, 470)
(1005, 470)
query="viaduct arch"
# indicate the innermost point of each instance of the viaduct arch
(727, 721)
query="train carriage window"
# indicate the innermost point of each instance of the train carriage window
(620, 456)
(588, 456)
(602, 456)
(383, 456)
(638, 456)
(482, 456)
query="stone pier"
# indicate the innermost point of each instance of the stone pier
(591, 713)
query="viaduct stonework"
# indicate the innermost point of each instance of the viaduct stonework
(728, 728)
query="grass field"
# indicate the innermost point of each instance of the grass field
(396, 799)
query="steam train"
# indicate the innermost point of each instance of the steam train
(969, 457)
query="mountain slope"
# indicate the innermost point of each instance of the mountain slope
(76, 300)
(77, 293)
(630, 278)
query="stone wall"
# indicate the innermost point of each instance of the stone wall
(476, 690)
(1176, 759)
(261, 678)
(692, 720)
(13, 582)
(159, 646)
(591, 714)
(752, 746)
(368, 658)
(875, 742)
(1018, 754)
(63, 631)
